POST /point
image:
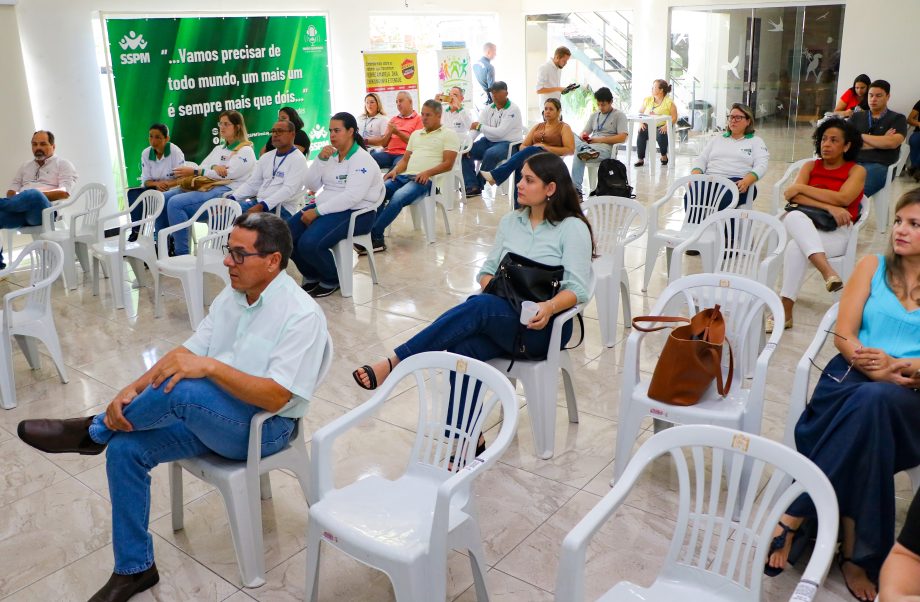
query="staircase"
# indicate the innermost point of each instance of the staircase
(603, 42)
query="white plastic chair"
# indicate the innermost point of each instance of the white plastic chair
(113, 251)
(30, 318)
(456, 173)
(749, 243)
(241, 484)
(406, 526)
(715, 555)
(778, 201)
(209, 257)
(703, 193)
(799, 397)
(616, 222)
(541, 382)
(845, 263)
(344, 254)
(83, 230)
(882, 198)
(743, 302)
(423, 210)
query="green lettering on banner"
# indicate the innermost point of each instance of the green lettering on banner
(184, 72)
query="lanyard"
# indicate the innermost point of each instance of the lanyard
(367, 122)
(500, 113)
(275, 168)
(599, 125)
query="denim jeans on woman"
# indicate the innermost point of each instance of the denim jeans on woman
(180, 207)
(313, 244)
(513, 165)
(196, 417)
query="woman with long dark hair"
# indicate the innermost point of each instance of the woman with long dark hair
(855, 98)
(549, 228)
(346, 179)
(861, 424)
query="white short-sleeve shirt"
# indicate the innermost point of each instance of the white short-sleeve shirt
(281, 336)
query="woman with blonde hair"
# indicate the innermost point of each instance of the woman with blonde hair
(223, 170)
(861, 424)
(372, 123)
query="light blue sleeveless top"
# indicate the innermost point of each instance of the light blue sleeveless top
(885, 323)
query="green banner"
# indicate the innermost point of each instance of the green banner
(184, 71)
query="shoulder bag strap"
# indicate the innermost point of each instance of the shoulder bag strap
(669, 319)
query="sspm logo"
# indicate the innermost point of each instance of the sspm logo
(133, 41)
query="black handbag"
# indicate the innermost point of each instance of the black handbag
(520, 279)
(821, 218)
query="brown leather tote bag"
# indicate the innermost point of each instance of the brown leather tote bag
(691, 358)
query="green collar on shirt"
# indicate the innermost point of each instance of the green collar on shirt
(729, 135)
(228, 146)
(354, 148)
(507, 105)
(274, 288)
(451, 110)
(153, 154)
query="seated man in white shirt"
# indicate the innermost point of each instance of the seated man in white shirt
(500, 124)
(456, 116)
(259, 348)
(278, 176)
(46, 178)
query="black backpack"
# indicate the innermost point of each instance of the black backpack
(612, 180)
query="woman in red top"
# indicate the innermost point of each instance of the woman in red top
(855, 96)
(833, 183)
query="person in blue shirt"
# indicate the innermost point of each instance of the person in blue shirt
(861, 425)
(549, 228)
(485, 74)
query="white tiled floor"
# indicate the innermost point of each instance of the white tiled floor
(55, 537)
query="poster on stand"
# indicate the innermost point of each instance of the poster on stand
(184, 72)
(455, 69)
(389, 72)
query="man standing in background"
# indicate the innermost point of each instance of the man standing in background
(549, 76)
(485, 74)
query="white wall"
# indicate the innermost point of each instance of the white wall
(17, 125)
(881, 42)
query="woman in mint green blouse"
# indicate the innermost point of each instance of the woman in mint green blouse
(550, 228)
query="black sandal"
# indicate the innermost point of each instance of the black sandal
(842, 560)
(778, 543)
(639, 163)
(370, 376)
(664, 161)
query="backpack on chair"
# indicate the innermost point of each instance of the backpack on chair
(612, 180)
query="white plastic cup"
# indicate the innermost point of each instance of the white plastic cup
(528, 310)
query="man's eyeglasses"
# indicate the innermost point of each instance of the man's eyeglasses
(237, 255)
(836, 379)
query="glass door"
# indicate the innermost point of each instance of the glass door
(783, 62)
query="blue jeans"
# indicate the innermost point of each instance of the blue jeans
(22, 209)
(513, 166)
(914, 142)
(489, 154)
(483, 327)
(247, 205)
(384, 159)
(313, 244)
(642, 142)
(876, 177)
(195, 418)
(578, 166)
(133, 194)
(402, 190)
(181, 206)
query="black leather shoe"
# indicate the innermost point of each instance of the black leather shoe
(120, 588)
(60, 436)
